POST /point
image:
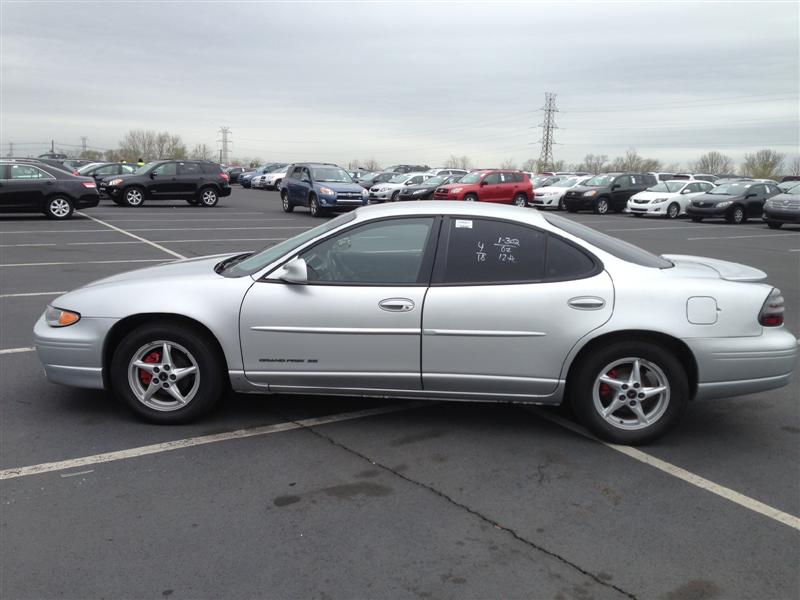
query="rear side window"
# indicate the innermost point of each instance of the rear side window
(25, 172)
(488, 251)
(212, 168)
(565, 261)
(190, 169)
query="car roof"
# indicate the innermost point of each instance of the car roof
(468, 209)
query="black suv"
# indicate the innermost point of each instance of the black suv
(28, 186)
(608, 191)
(409, 168)
(199, 182)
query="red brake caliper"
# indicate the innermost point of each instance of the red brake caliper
(605, 389)
(144, 376)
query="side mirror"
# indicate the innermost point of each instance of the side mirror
(295, 271)
(153, 174)
(616, 186)
(686, 192)
(751, 195)
(484, 182)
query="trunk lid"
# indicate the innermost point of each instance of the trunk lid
(730, 271)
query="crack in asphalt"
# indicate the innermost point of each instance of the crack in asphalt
(470, 510)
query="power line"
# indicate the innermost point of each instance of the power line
(548, 127)
(704, 102)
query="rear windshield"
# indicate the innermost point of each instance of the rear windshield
(615, 247)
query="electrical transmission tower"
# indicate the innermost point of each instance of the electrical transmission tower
(84, 139)
(10, 149)
(225, 131)
(548, 126)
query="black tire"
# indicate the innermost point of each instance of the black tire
(601, 206)
(774, 224)
(278, 184)
(736, 216)
(521, 200)
(314, 208)
(470, 198)
(697, 219)
(59, 208)
(394, 197)
(210, 386)
(673, 210)
(207, 197)
(287, 206)
(133, 197)
(561, 205)
(585, 390)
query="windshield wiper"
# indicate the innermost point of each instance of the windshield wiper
(229, 262)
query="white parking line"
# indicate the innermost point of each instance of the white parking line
(136, 237)
(139, 242)
(201, 440)
(87, 262)
(687, 226)
(150, 229)
(250, 220)
(739, 237)
(680, 473)
(16, 350)
(26, 294)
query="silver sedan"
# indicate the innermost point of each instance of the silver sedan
(439, 300)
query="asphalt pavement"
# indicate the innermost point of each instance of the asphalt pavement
(329, 497)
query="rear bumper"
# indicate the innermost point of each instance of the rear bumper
(87, 201)
(736, 366)
(225, 191)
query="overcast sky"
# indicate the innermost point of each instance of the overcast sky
(405, 82)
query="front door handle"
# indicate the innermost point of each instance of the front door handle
(396, 304)
(586, 303)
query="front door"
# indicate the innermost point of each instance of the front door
(164, 181)
(26, 186)
(620, 192)
(490, 190)
(506, 305)
(355, 325)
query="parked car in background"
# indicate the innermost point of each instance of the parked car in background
(38, 187)
(105, 169)
(547, 180)
(370, 179)
(390, 190)
(425, 190)
(609, 191)
(273, 179)
(667, 198)
(409, 168)
(246, 177)
(789, 185)
(492, 185)
(446, 172)
(705, 177)
(234, 173)
(735, 202)
(783, 209)
(76, 163)
(552, 196)
(198, 182)
(322, 187)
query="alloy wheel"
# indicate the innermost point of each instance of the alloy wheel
(134, 197)
(209, 197)
(631, 393)
(673, 210)
(602, 207)
(59, 208)
(163, 376)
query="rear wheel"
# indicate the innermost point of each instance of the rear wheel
(58, 207)
(208, 197)
(470, 198)
(673, 210)
(630, 392)
(133, 197)
(736, 216)
(774, 224)
(167, 373)
(520, 200)
(601, 207)
(287, 206)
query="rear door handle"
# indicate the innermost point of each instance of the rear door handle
(396, 305)
(586, 303)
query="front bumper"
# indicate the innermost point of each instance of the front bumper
(781, 215)
(73, 355)
(579, 203)
(658, 210)
(379, 196)
(545, 201)
(744, 365)
(340, 205)
(707, 211)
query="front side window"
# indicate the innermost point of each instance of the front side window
(487, 251)
(387, 252)
(25, 172)
(474, 177)
(623, 182)
(492, 179)
(107, 170)
(166, 169)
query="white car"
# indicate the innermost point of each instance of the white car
(667, 198)
(391, 189)
(272, 181)
(552, 196)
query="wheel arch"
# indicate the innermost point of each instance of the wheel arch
(679, 348)
(124, 326)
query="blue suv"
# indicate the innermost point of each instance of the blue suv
(322, 187)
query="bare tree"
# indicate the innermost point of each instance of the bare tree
(202, 152)
(594, 163)
(633, 162)
(529, 165)
(764, 164)
(713, 162)
(371, 165)
(508, 164)
(794, 166)
(458, 162)
(149, 145)
(672, 168)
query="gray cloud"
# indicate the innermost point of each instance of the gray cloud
(406, 82)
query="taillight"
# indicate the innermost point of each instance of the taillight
(771, 314)
(88, 184)
(75, 172)
(224, 176)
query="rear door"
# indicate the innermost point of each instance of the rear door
(189, 179)
(506, 304)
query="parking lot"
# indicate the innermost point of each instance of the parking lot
(288, 496)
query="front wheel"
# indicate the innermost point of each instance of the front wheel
(394, 197)
(59, 208)
(561, 205)
(208, 197)
(134, 197)
(673, 210)
(601, 207)
(167, 373)
(736, 216)
(470, 198)
(630, 392)
(520, 200)
(287, 206)
(314, 208)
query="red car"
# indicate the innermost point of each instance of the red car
(506, 187)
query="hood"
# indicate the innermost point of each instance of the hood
(715, 198)
(653, 195)
(730, 271)
(340, 187)
(585, 188)
(549, 189)
(167, 270)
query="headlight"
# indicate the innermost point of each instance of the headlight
(384, 189)
(590, 193)
(115, 182)
(58, 317)
(659, 200)
(327, 191)
(456, 190)
(724, 204)
(419, 192)
(769, 203)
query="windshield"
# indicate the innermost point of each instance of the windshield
(435, 180)
(269, 254)
(667, 186)
(85, 168)
(730, 189)
(399, 178)
(370, 175)
(622, 250)
(332, 174)
(599, 180)
(145, 168)
(565, 183)
(470, 178)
